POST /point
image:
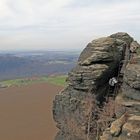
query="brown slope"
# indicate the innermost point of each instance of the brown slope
(26, 112)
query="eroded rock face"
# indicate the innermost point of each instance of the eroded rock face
(75, 107)
(128, 98)
(132, 82)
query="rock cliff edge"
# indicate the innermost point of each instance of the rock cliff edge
(88, 108)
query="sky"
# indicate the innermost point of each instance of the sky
(64, 24)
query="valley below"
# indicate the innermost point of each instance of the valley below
(29, 82)
(24, 64)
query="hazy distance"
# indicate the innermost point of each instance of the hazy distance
(64, 24)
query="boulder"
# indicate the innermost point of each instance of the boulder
(134, 46)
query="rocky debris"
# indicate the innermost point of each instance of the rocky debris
(76, 109)
(106, 135)
(128, 130)
(116, 126)
(131, 129)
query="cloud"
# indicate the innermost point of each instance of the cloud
(64, 23)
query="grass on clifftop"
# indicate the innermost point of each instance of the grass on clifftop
(56, 80)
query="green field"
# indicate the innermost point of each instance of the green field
(56, 80)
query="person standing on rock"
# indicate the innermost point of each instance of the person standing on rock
(113, 81)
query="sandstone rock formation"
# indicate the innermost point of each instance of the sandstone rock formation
(85, 110)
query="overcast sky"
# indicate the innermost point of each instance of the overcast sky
(64, 24)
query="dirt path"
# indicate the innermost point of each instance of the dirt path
(26, 112)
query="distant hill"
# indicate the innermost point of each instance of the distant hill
(26, 64)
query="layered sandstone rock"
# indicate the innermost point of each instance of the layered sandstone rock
(128, 98)
(77, 108)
